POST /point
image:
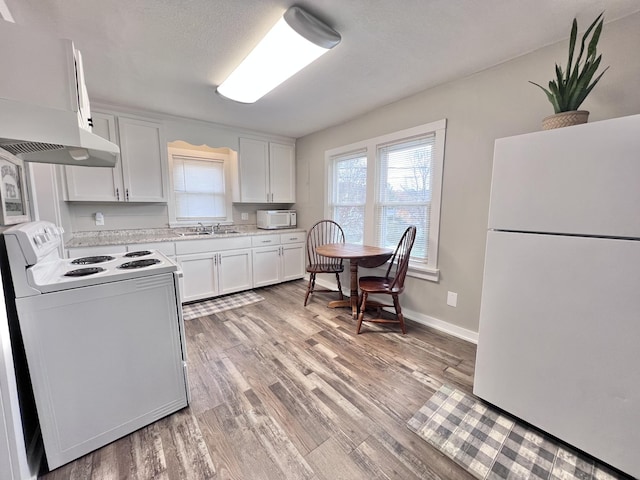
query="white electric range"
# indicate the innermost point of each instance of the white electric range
(103, 337)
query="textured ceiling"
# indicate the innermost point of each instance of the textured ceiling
(168, 56)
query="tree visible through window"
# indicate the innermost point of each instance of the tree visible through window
(404, 192)
(350, 194)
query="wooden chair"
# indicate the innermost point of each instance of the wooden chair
(391, 284)
(323, 232)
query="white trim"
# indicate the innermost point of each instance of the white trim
(426, 320)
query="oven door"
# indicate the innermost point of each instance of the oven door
(105, 360)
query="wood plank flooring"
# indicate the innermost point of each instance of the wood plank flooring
(280, 391)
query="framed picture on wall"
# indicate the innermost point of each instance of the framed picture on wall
(13, 194)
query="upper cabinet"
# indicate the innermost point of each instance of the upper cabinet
(267, 172)
(140, 174)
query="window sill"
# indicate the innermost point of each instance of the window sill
(415, 271)
(424, 273)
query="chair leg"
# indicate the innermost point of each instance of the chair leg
(339, 286)
(399, 316)
(363, 305)
(310, 286)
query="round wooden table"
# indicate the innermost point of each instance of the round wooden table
(365, 255)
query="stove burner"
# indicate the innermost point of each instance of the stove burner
(139, 263)
(139, 253)
(82, 272)
(90, 260)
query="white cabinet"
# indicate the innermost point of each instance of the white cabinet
(267, 172)
(279, 260)
(213, 267)
(140, 173)
(292, 261)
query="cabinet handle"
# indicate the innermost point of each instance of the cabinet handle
(126, 190)
(118, 194)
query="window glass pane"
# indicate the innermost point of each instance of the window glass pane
(351, 219)
(199, 188)
(349, 194)
(351, 180)
(406, 171)
(394, 220)
(404, 192)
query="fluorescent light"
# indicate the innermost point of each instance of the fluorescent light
(296, 40)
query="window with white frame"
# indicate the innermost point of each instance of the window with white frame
(200, 187)
(377, 188)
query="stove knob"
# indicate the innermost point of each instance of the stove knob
(37, 241)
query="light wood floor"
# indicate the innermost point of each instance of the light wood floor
(280, 391)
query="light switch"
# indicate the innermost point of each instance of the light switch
(244, 216)
(452, 299)
(99, 218)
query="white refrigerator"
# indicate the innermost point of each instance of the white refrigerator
(559, 339)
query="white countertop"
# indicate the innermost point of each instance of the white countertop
(127, 237)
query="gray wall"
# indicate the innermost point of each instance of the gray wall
(495, 103)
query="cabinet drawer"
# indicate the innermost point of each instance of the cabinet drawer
(265, 240)
(166, 248)
(211, 245)
(294, 237)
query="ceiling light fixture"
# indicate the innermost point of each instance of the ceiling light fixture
(295, 41)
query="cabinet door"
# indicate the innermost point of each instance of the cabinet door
(266, 265)
(254, 173)
(199, 276)
(234, 271)
(143, 165)
(282, 174)
(293, 265)
(97, 184)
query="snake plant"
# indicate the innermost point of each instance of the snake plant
(570, 87)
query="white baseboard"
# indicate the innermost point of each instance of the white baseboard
(441, 325)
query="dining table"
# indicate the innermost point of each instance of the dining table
(366, 256)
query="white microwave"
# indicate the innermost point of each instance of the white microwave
(273, 219)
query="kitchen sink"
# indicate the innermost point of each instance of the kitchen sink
(194, 234)
(209, 233)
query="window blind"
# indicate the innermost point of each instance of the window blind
(349, 194)
(404, 187)
(199, 188)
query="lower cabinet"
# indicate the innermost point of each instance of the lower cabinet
(281, 260)
(211, 274)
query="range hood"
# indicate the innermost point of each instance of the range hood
(48, 135)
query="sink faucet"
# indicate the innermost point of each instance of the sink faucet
(201, 228)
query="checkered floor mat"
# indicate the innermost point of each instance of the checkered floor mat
(219, 304)
(491, 445)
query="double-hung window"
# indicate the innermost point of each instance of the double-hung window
(377, 188)
(200, 187)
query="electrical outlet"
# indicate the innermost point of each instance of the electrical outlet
(244, 216)
(99, 218)
(452, 299)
